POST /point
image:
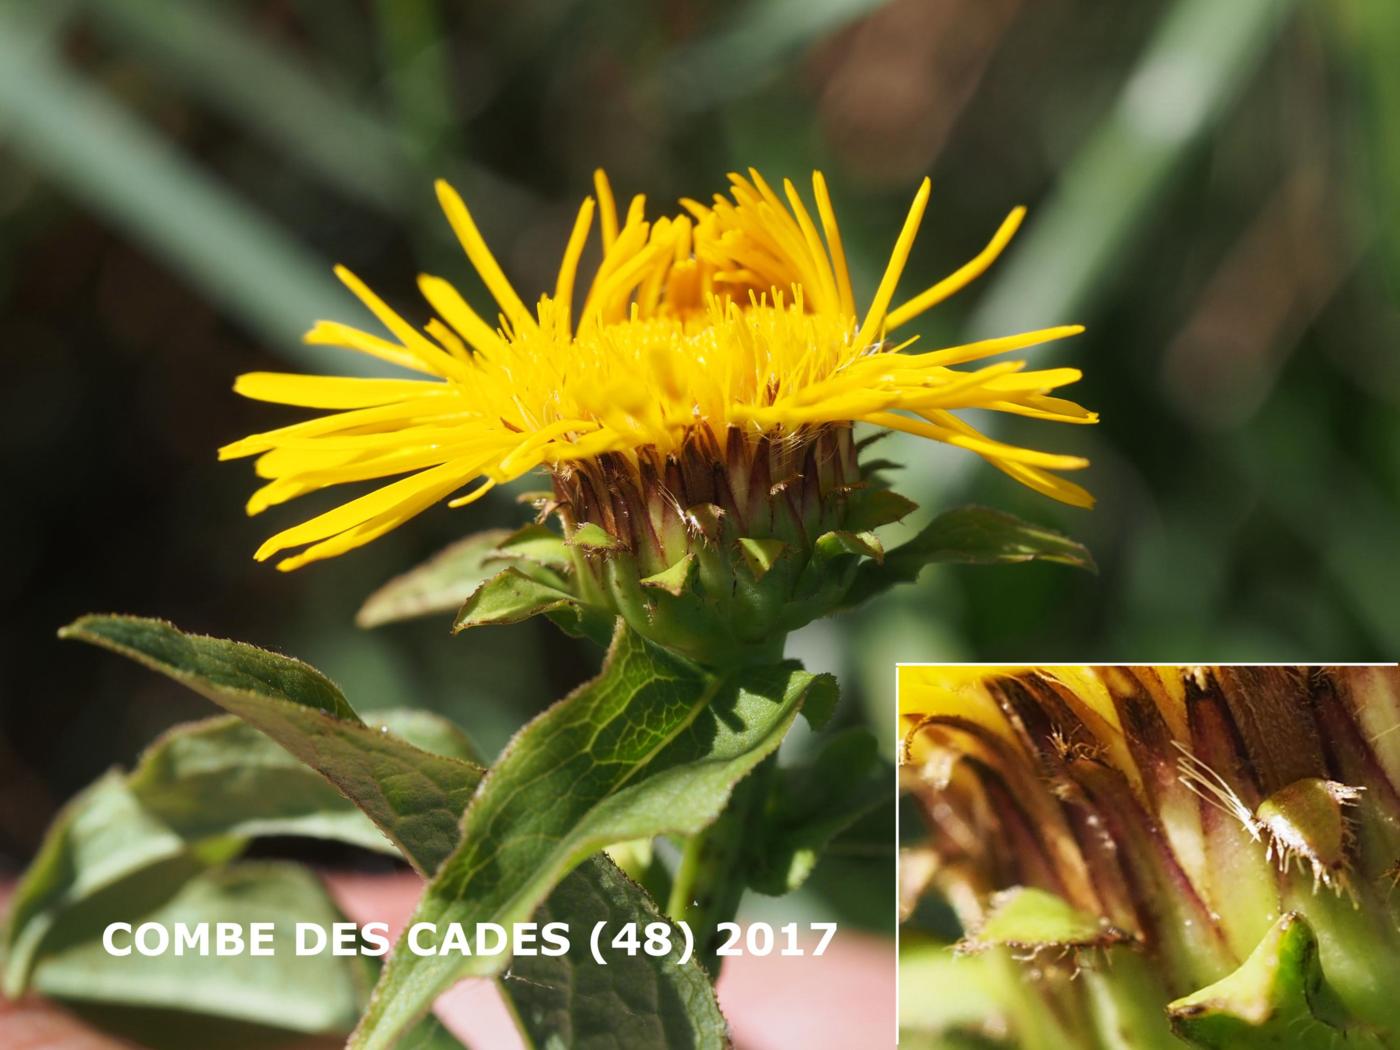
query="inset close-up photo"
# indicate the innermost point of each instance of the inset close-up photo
(1149, 857)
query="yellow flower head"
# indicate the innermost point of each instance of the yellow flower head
(729, 322)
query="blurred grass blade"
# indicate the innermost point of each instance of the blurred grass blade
(1369, 30)
(114, 164)
(1199, 59)
(213, 54)
(415, 57)
(1197, 62)
(736, 59)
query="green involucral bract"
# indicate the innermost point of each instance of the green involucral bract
(718, 554)
(717, 565)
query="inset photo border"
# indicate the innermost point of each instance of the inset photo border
(1148, 856)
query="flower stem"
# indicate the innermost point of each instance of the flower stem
(711, 878)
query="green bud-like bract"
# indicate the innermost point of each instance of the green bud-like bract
(719, 550)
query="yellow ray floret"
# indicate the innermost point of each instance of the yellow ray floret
(736, 314)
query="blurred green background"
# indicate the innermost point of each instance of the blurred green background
(1213, 189)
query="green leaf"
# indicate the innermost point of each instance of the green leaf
(439, 585)
(101, 837)
(1026, 918)
(223, 777)
(871, 507)
(813, 803)
(1278, 997)
(193, 799)
(871, 468)
(584, 621)
(970, 536)
(653, 745)
(218, 669)
(413, 796)
(633, 1003)
(429, 732)
(509, 597)
(820, 703)
(535, 543)
(309, 993)
(450, 577)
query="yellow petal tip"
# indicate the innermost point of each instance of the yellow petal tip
(237, 450)
(446, 194)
